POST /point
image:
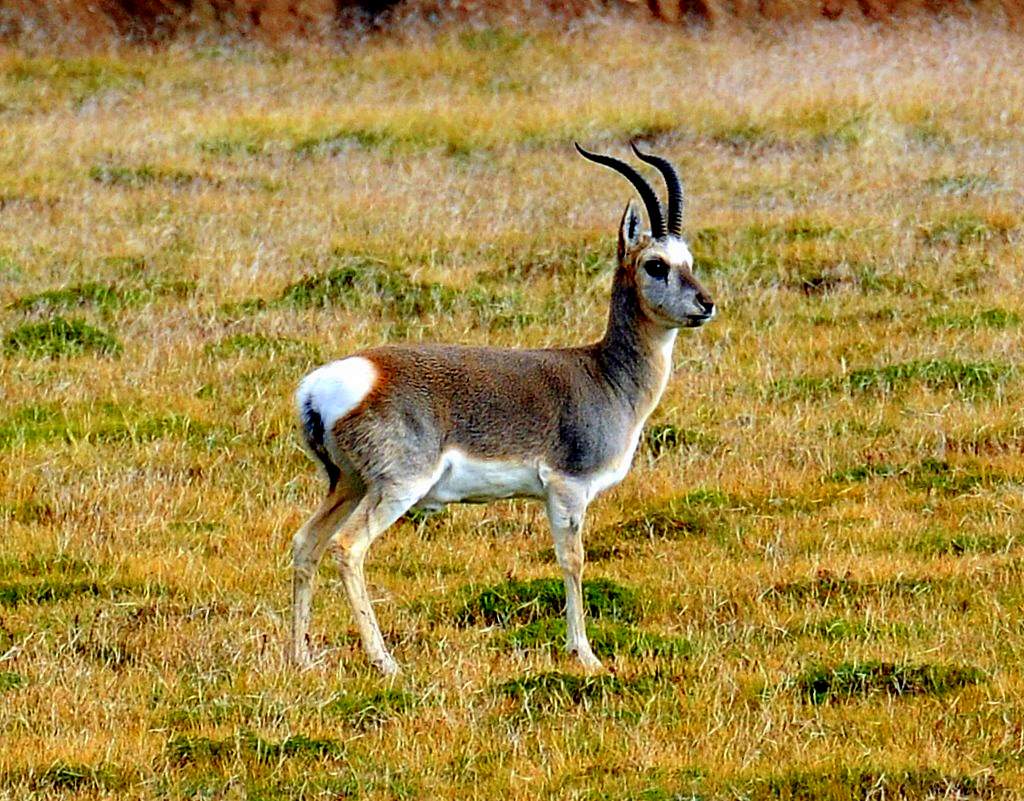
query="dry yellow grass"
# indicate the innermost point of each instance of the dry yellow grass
(834, 491)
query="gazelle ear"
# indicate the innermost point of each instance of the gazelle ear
(629, 228)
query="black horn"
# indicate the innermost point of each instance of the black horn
(647, 194)
(675, 188)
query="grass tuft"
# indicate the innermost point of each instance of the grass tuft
(139, 177)
(835, 629)
(555, 690)
(362, 281)
(74, 778)
(370, 709)
(662, 438)
(843, 783)
(53, 578)
(74, 79)
(103, 296)
(576, 259)
(964, 229)
(929, 475)
(261, 345)
(529, 601)
(59, 338)
(193, 749)
(28, 512)
(677, 519)
(945, 542)
(243, 144)
(607, 640)
(820, 683)
(969, 379)
(108, 424)
(962, 185)
(10, 680)
(827, 586)
(40, 591)
(985, 318)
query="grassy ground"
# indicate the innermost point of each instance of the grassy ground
(810, 584)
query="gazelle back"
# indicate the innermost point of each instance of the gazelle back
(419, 426)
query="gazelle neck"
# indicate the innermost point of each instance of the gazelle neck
(635, 354)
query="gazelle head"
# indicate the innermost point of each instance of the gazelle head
(658, 262)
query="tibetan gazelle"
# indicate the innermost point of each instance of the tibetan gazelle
(420, 426)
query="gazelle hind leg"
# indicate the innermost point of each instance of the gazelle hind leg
(376, 512)
(566, 507)
(308, 548)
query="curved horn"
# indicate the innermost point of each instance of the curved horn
(675, 188)
(648, 195)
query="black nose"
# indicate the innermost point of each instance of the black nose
(706, 303)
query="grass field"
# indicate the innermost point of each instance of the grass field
(810, 585)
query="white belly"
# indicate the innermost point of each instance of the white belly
(465, 479)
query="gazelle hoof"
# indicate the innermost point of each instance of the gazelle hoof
(301, 661)
(387, 665)
(589, 662)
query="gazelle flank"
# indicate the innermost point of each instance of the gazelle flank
(420, 426)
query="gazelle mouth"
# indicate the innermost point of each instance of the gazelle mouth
(696, 320)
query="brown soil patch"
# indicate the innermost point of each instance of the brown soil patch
(107, 22)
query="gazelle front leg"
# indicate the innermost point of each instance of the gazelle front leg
(566, 506)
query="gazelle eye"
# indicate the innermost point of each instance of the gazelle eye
(656, 268)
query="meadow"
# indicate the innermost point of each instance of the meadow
(808, 587)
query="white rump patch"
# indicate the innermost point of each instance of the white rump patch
(337, 388)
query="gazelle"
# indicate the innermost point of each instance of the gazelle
(419, 426)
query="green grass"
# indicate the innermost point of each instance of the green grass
(662, 438)
(607, 639)
(187, 749)
(515, 601)
(59, 337)
(966, 378)
(54, 578)
(964, 230)
(127, 177)
(940, 541)
(837, 629)
(106, 297)
(929, 475)
(676, 519)
(361, 281)
(76, 778)
(842, 783)
(53, 589)
(260, 345)
(230, 145)
(984, 318)
(961, 185)
(76, 79)
(827, 587)
(42, 591)
(104, 423)
(366, 710)
(548, 692)
(849, 680)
